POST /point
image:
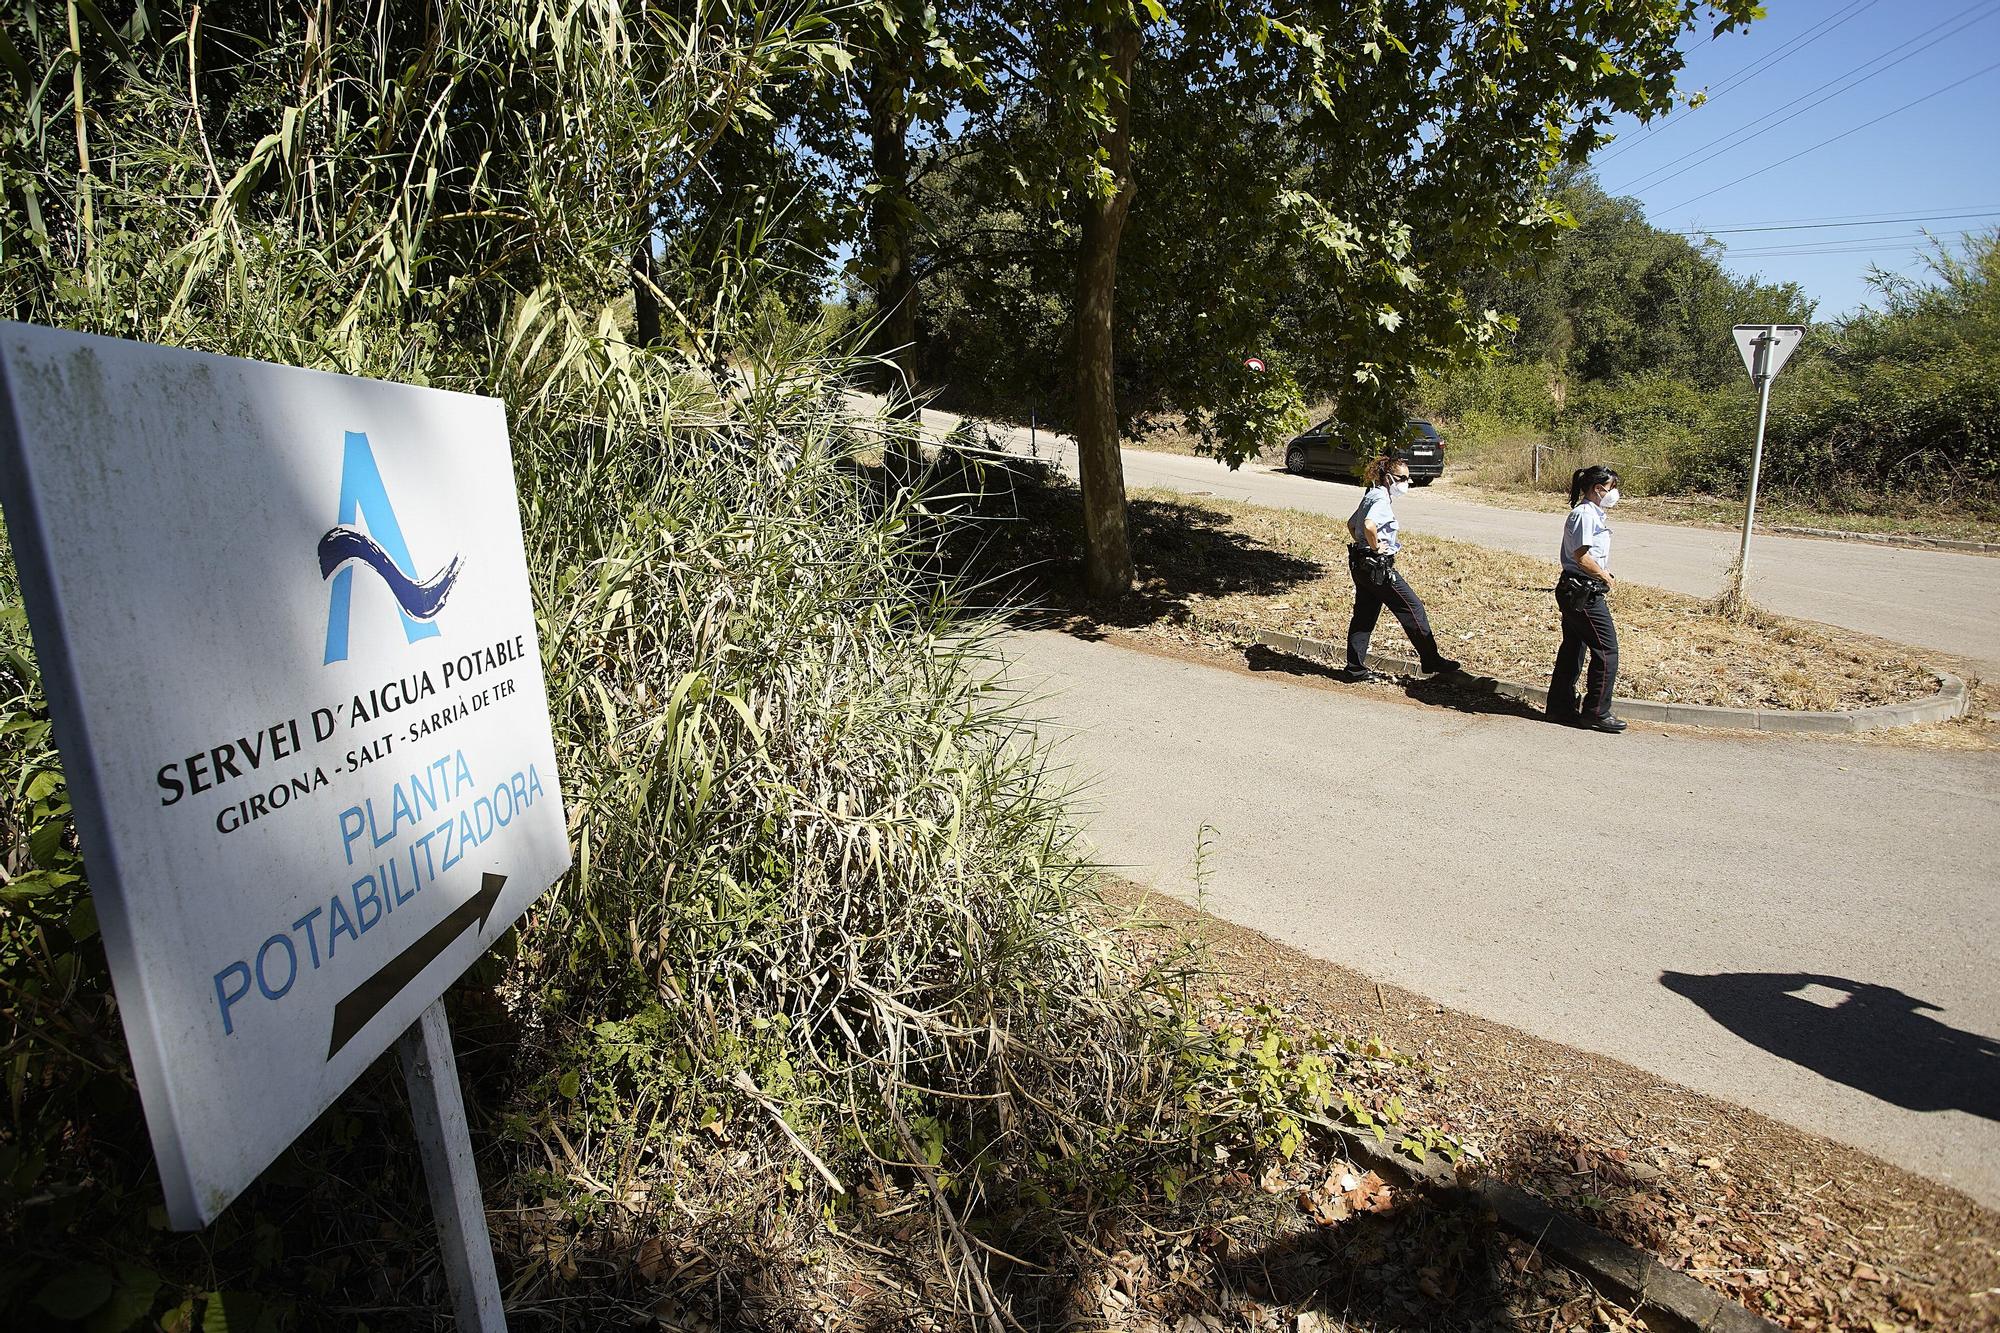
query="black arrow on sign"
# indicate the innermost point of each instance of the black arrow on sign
(373, 995)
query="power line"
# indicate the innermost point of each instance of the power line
(1859, 218)
(1733, 81)
(1746, 133)
(1838, 19)
(1836, 138)
(1852, 245)
(1814, 254)
(1818, 226)
(1729, 83)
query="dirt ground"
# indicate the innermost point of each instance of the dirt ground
(1811, 1234)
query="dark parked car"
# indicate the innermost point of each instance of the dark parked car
(1343, 451)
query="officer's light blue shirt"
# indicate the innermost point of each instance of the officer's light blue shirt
(1586, 527)
(1374, 508)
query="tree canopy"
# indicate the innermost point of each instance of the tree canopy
(1616, 296)
(1097, 208)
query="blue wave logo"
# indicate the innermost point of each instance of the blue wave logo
(363, 496)
(420, 601)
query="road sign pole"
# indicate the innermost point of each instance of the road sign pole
(1764, 377)
(1765, 348)
(438, 1109)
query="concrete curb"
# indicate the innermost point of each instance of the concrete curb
(1660, 1294)
(1886, 539)
(1949, 702)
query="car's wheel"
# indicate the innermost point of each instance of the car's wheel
(1295, 460)
(1422, 481)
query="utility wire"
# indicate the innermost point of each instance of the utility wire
(1859, 218)
(1818, 226)
(1731, 82)
(1825, 26)
(1851, 245)
(1978, 73)
(1745, 134)
(1811, 254)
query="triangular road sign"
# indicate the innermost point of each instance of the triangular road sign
(1766, 347)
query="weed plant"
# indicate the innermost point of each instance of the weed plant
(828, 937)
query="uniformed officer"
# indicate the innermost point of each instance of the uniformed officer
(1371, 559)
(1583, 596)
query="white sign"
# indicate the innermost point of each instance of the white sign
(1766, 347)
(284, 624)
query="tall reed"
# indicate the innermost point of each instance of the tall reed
(826, 903)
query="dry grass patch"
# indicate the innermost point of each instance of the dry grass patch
(1222, 561)
(1493, 610)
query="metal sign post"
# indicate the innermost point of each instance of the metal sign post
(1765, 349)
(285, 629)
(438, 1111)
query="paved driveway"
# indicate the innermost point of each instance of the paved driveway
(1807, 928)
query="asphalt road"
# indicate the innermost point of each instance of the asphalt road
(1945, 600)
(1807, 928)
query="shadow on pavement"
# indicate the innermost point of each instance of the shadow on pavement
(1465, 694)
(1872, 1038)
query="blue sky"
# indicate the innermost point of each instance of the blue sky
(1810, 71)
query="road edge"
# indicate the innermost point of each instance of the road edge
(1950, 701)
(1893, 540)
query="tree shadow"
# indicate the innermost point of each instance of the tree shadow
(1434, 1261)
(1026, 544)
(1871, 1038)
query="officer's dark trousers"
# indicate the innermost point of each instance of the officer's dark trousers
(1409, 612)
(1587, 627)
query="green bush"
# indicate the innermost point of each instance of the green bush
(1520, 394)
(1879, 411)
(825, 908)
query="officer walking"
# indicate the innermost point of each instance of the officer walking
(1371, 560)
(1583, 596)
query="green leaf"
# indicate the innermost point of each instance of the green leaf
(11, 58)
(235, 1312)
(45, 843)
(34, 885)
(131, 1303)
(77, 1292)
(569, 1084)
(82, 921)
(104, 29)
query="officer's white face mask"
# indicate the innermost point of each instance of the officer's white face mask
(1398, 487)
(1610, 500)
